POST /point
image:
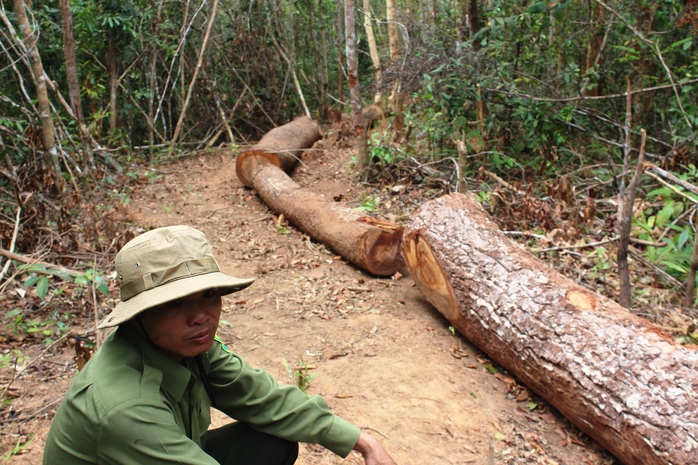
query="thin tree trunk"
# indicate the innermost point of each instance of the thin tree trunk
(291, 67)
(48, 133)
(71, 72)
(185, 105)
(113, 80)
(626, 199)
(340, 59)
(153, 76)
(373, 49)
(395, 99)
(354, 88)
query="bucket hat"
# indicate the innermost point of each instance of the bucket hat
(165, 264)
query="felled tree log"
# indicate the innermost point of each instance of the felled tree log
(281, 147)
(617, 377)
(370, 244)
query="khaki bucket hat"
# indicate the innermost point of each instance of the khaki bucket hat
(163, 265)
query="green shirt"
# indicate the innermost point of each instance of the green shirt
(132, 404)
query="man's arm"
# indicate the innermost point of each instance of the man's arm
(372, 450)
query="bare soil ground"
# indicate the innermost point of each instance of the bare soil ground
(380, 354)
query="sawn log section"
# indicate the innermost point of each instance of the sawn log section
(282, 147)
(370, 244)
(617, 377)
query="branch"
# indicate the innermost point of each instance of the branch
(32, 261)
(654, 46)
(12, 242)
(178, 128)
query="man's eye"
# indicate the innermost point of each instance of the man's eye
(211, 293)
(175, 303)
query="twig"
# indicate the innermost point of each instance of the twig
(12, 242)
(17, 375)
(32, 261)
(33, 415)
(673, 178)
(638, 256)
(584, 98)
(190, 90)
(673, 188)
(658, 52)
(578, 246)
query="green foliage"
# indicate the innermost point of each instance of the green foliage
(300, 374)
(369, 203)
(19, 446)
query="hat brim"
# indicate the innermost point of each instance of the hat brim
(176, 289)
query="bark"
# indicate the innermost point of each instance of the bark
(620, 379)
(354, 88)
(113, 80)
(48, 133)
(395, 99)
(373, 49)
(71, 74)
(281, 147)
(340, 59)
(370, 244)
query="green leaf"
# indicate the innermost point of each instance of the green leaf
(103, 288)
(32, 281)
(531, 406)
(42, 287)
(491, 369)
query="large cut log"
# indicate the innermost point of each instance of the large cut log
(616, 376)
(281, 147)
(370, 244)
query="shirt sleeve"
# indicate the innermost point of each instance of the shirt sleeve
(254, 397)
(145, 432)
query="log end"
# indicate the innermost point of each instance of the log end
(382, 249)
(248, 161)
(429, 275)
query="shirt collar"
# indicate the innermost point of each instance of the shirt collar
(175, 377)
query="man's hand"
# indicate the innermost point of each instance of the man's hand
(373, 451)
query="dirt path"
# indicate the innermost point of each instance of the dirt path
(382, 356)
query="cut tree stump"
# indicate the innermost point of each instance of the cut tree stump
(281, 147)
(372, 245)
(617, 377)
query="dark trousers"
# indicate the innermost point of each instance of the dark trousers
(238, 444)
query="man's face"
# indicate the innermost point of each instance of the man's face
(184, 327)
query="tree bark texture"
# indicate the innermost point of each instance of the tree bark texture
(281, 147)
(372, 245)
(71, 76)
(620, 379)
(48, 134)
(373, 49)
(354, 88)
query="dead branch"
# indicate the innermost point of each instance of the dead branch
(32, 261)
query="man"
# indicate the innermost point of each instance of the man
(145, 395)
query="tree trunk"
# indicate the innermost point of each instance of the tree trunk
(621, 380)
(373, 49)
(340, 59)
(370, 244)
(48, 134)
(71, 74)
(113, 80)
(281, 147)
(199, 62)
(354, 88)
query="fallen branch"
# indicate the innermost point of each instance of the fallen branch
(32, 261)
